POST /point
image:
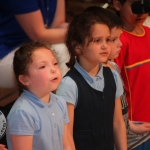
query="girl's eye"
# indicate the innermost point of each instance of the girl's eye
(108, 40)
(42, 67)
(97, 40)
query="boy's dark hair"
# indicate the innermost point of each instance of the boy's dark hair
(80, 28)
(115, 21)
(22, 59)
(122, 1)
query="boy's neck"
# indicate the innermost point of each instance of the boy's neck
(138, 30)
(107, 64)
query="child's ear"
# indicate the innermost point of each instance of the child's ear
(78, 49)
(117, 4)
(23, 79)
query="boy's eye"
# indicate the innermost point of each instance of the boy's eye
(113, 40)
(42, 67)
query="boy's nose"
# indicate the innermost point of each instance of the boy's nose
(120, 43)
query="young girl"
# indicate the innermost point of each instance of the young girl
(90, 90)
(38, 118)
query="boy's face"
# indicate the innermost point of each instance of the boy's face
(115, 43)
(43, 72)
(130, 20)
(98, 49)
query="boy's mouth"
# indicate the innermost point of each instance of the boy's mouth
(141, 19)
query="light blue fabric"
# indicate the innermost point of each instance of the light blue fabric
(44, 121)
(96, 82)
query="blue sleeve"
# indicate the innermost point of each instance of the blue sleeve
(68, 90)
(119, 86)
(23, 6)
(21, 123)
(64, 110)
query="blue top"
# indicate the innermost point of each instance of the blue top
(11, 34)
(69, 91)
(44, 121)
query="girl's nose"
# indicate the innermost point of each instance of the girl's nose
(104, 46)
(53, 70)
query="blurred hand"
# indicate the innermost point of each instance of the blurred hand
(2, 147)
(140, 128)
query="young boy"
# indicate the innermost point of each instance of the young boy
(134, 61)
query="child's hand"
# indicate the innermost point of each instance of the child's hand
(2, 147)
(139, 128)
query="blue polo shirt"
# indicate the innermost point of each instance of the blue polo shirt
(69, 91)
(44, 121)
(11, 34)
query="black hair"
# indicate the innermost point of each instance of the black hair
(23, 57)
(114, 20)
(122, 1)
(80, 28)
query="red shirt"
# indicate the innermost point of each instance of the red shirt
(134, 63)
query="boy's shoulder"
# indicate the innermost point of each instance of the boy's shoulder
(127, 34)
(114, 65)
(146, 28)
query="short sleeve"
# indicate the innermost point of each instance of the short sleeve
(68, 90)
(119, 86)
(23, 6)
(21, 123)
(65, 110)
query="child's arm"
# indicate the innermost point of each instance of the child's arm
(66, 142)
(70, 124)
(2, 147)
(139, 128)
(22, 142)
(119, 127)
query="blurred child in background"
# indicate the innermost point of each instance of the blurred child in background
(134, 64)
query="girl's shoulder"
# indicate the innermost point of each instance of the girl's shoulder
(60, 102)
